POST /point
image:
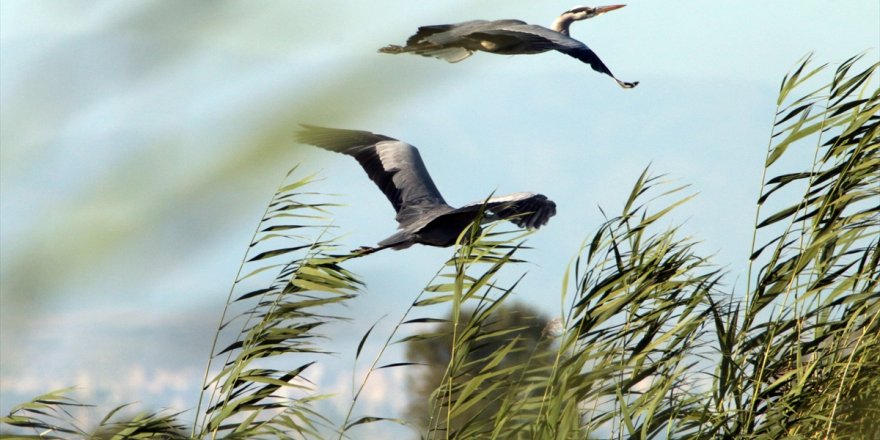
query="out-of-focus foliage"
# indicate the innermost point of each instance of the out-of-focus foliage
(519, 324)
(50, 417)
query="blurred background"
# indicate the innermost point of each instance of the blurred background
(141, 141)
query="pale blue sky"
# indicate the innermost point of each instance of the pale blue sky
(141, 140)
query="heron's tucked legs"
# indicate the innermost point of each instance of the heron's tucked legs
(367, 250)
(392, 48)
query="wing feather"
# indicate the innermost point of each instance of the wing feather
(526, 210)
(538, 38)
(396, 167)
(586, 55)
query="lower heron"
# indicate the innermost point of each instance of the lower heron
(422, 215)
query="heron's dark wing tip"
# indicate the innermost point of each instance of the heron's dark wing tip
(337, 139)
(305, 129)
(310, 134)
(526, 210)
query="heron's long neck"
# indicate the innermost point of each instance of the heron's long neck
(563, 22)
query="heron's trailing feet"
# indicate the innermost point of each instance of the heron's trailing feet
(392, 48)
(366, 250)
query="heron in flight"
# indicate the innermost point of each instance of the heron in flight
(455, 42)
(422, 215)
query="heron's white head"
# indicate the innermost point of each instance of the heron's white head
(580, 13)
(585, 12)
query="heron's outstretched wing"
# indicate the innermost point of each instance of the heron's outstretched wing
(586, 55)
(395, 166)
(534, 39)
(526, 210)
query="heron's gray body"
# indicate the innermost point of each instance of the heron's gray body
(423, 215)
(455, 42)
(505, 37)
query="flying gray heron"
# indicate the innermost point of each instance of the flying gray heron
(455, 42)
(422, 215)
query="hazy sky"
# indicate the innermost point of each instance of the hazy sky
(142, 139)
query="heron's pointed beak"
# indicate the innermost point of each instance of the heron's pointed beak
(604, 9)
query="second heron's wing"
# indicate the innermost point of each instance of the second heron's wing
(534, 38)
(396, 167)
(526, 210)
(586, 55)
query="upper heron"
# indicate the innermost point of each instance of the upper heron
(422, 214)
(455, 42)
